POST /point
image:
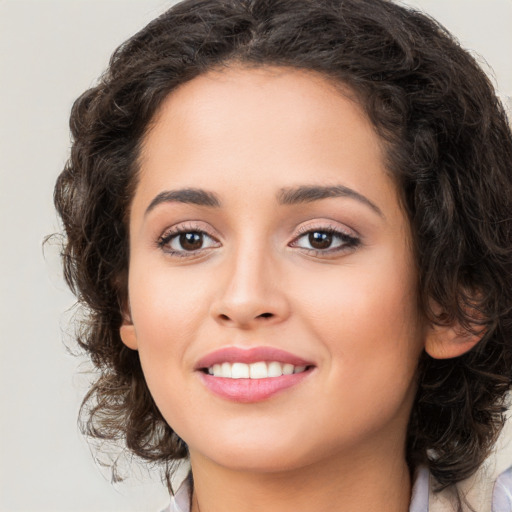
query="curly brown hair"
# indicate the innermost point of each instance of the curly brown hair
(449, 148)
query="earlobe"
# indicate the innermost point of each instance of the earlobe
(447, 341)
(128, 335)
(127, 329)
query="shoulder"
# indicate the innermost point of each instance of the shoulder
(180, 502)
(489, 489)
(481, 493)
(502, 492)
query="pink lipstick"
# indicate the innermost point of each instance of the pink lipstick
(251, 375)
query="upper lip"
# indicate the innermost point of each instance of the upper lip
(248, 356)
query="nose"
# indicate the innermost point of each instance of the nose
(251, 293)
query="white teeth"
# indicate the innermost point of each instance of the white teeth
(226, 370)
(259, 370)
(287, 369)
(275, 369)
(239, 371)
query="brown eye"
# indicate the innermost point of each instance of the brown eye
(320, 239)
(191, 241)
(325, 242)
(187, 242)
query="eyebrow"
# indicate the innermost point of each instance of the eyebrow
(309, 194)
(195, 196)
(285, 196)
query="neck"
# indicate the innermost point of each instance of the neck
(348, 483)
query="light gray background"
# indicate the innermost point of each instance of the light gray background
(50, 51)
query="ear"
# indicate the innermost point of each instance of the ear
(127, 332)
(447, 341)
(452, 339)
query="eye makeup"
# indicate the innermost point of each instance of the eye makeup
(187, 240)
(192, 239)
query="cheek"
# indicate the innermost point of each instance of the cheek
(361, 298)
(367, 318)
(166, 310)
(165, 305)
(367, 324)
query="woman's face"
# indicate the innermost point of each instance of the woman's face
(268, 247)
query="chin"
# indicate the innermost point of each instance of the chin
(271, 453)
(257, 460)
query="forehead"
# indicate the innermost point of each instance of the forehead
(262, 129)
(283, 86)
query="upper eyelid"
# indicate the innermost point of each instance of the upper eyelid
(172, 232)
(186, 227)
(326, 226)
(352, 238)
(202, 227)
(336, 232)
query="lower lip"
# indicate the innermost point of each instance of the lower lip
(251, 390)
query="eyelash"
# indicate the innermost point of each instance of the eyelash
(347, 241)
(165, 240)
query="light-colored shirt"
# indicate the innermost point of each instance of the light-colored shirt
(422, 498)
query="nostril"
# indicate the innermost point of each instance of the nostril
(243, 318)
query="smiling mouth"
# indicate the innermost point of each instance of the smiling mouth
(257, 370)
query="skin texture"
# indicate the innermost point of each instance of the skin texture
(338, 436)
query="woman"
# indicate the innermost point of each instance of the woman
(290, 224)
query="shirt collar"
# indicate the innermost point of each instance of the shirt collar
(420, 490)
